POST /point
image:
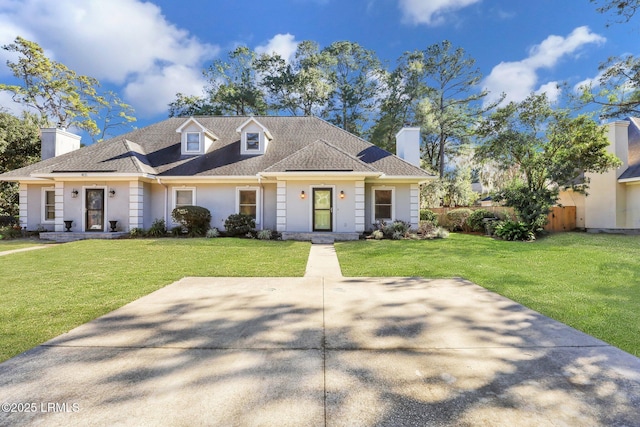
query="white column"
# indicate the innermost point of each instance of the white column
(136, 204)
(59, 196)
(23, 203)
(359, 206)
(281, 209)
(414, 195)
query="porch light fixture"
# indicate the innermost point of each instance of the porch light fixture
(302, 195)
(112, 192)
(342, 195)
(74, 193)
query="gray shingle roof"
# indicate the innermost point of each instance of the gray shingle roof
(299, 143)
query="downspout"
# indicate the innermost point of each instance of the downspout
(261, 202)
(166, 202)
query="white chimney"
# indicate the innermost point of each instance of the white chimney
(56, 142)
(408, 145)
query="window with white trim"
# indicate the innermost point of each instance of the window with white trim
(248, 202)
(193, 142)
(252, 140)
(48, 205)
(383, 204)
(184, 197)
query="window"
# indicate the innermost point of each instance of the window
(248, 203)
(184, 197)
(253, 141)
(193, 142)
(383, 204)
(48, 205)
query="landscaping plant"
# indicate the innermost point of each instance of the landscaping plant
(195, 219)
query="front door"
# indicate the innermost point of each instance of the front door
(322, 209)
(94, 220)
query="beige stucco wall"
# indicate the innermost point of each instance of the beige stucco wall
(633, 205)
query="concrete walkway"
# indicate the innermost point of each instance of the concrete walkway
(318, 351)
(30, 248)
(323, 262)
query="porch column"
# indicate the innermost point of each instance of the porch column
(136, 205)
(23, 204)
(59, 197)
(281, 209)
(359, 211)
(414, 195)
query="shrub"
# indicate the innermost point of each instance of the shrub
(377, 234)
(397, 235)
(239, 224)
(514, 230)
(177, 231)
(457, 219)
(265, 234)
(7, 220)
(158, 228)
(212, 233)
(441, 233)
(137, 232)
(475, 220)
(195, 219)
(12, 232)
(429, 216)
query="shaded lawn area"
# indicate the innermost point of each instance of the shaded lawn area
(590, 282)
(50, 291)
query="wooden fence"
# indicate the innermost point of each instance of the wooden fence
(560, 218)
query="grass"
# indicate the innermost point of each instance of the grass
(9, 245)
(61, 287)
(590, 282)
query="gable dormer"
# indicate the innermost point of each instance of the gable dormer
(195, 139)
(254, 137)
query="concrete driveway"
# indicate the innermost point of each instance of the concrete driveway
(320, 351)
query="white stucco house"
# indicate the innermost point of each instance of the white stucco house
(613, 203)
(296, 175)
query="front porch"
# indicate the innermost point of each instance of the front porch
(63, 236)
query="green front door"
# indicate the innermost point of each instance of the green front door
(322, 209)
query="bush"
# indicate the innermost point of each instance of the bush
(212, 233)
(158, 228)
(239, 224)
(265, 235)
(514, 230)
(441, 233)
(475, 220)
(429, 215)
(377, 234)
(195, 219)
(7, 220)
(12, 232)
(137, 232)
(457, 219)
(177, 231)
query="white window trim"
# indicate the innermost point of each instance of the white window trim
(258, 201)
(175, 195)
(43, 210)
(373, 202)
(261, 143)
(186, 145)
(246, 142)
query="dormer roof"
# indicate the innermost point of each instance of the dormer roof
(257, 123)
(193, 121)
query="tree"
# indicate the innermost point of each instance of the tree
(551, 148)
(298, 87)
(59, 94)
(450, 110)
(354, 73)
(113, 114)
(625, 9)
(617, 90)
(19, 146)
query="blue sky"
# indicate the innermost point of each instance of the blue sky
(148, 51)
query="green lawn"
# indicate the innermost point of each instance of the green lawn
(50, 291)
(9, 245)
(590, 282)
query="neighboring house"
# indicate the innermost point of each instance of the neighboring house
(292, 174)
(613, 203)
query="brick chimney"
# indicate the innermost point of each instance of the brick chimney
(408, 145)
(56, 142)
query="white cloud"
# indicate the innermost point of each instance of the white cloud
(431, 12)
(518, 79)
(284, 45)
(124, 42)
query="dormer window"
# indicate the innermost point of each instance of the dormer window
(193, 142)
(253, 141)
(195, 138)
(254, 137)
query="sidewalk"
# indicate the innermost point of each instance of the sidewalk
(323, 261)
(32, 248)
